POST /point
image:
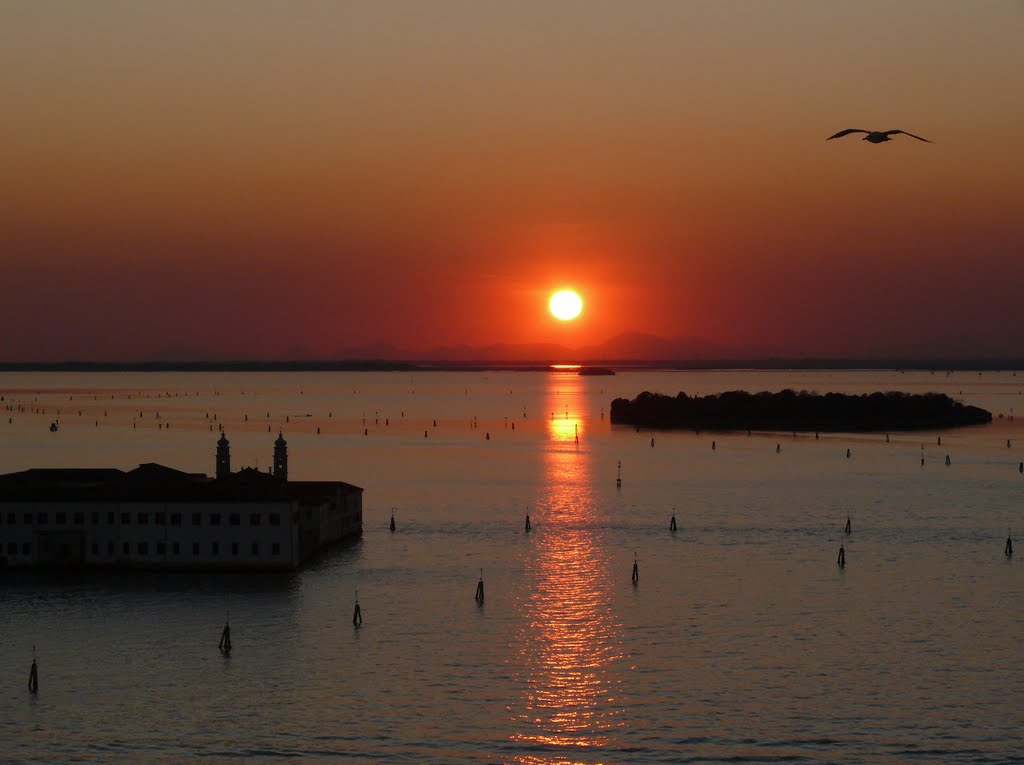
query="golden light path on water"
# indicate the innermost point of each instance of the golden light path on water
(569, 654)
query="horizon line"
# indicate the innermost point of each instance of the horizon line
(990, 363)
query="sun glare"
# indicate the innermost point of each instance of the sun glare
(565, 305)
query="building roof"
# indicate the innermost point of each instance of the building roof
(152, 482)
(68, 477)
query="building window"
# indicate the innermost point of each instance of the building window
(143, 519)
(95, 519)
(161, 519)
(309, 515)
(143, 548)
(215, 548)
(12, 548)
(12, 519)
(110, 548)
(234, 548)
(28, 519)
(177, 548)
(110, 518)
(254, 519)
(161, 548)
(62, 519)
(126, 519)
(195, 548)
(275, 548)
(235, 519)
(42, 518)
(197, 519)
(215, 519)
(26, 548)
(255, 548)
(126, 549)
(79, 519)
(275, 519)
(46, 545)
(95, 549)
(175, 519)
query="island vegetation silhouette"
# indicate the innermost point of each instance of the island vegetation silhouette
(797, 411)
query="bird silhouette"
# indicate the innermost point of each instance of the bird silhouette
(877, 136)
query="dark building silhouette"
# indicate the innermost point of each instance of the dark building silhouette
(156, 517)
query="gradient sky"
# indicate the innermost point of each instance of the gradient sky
(269, 179)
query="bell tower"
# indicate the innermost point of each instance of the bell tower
(223, 457)
(281, 457)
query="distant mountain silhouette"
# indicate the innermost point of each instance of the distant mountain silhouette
(629, 346)
(638, 346)
(545, 352)
(372, 351)
(179, 352)
(638, 349)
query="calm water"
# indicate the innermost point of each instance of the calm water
(742, 642)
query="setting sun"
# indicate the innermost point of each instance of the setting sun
(565, 305)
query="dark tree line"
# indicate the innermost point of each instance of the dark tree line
(803, 411)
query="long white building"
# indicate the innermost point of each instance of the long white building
(156, 517)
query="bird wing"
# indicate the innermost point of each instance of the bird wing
(841, 133)
(904, 132)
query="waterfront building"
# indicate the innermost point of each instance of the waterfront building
(156, 517)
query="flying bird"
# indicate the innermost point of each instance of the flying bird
(877, 136)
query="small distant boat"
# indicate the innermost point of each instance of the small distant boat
(592, 371)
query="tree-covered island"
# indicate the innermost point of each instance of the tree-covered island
(792, 411)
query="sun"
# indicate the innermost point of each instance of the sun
(565, 305)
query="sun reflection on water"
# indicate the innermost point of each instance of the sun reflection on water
(568, 654)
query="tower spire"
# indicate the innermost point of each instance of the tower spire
(223, 457)
(281, 457)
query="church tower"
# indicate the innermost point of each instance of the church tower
(223, 457)
(281, 457)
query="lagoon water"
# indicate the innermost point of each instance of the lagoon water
(741, 642)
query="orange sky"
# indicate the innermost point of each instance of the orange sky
(256, 179)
